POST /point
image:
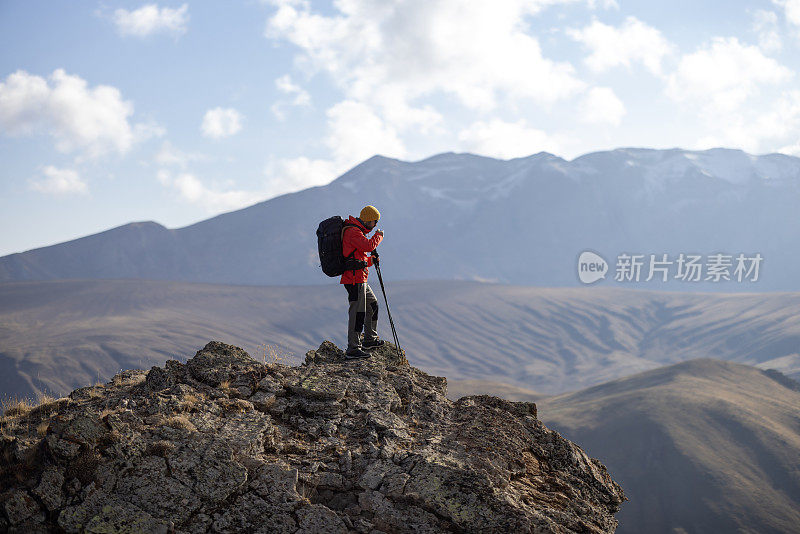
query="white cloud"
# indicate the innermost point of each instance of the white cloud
(390, 54)
(91, 120)
(388, 57)
(759, 130)
(169, 155)
(792, 150)
(605, 4)
(741, 97)
(500, 139)
(213, 199)
(164, 177)
(295, 174)
(151, 19)
(723, 75)
(219, 123)
(286, 86)
(633, 41)
(355, 133)
(59, 182)
(147, 130)
(299, 96)
(765, 24)
(601, 105)
(791, 9)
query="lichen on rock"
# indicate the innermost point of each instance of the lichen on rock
(224, 443)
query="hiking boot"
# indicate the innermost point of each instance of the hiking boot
(356, 354)
(373, 344)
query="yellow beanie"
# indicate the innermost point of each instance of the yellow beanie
(370, 213)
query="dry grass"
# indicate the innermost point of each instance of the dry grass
(41, 430)
(190, 402)
(96, 392)
(106, 412)
(127, 379)
(45, 399)
(272, 354)
(47, 406)
(16, 407)
(24, 414)
(306, 491)
(236, 405)
(8, 426)
(180, 421)
(43, 405)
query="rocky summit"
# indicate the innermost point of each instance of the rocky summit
(225, 443)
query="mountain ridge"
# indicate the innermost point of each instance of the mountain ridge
(541, 212)
(719, 440)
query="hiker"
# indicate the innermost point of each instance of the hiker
(363, 310)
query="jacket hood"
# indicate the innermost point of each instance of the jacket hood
(354, 220)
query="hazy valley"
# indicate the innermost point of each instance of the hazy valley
(59, 335)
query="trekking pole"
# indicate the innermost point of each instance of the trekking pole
(388, 313)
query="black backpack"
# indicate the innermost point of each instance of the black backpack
(329, 243)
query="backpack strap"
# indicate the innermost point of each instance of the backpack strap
(345, 226)
(352, 255)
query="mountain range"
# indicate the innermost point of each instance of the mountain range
(703, 446)
(465, 217)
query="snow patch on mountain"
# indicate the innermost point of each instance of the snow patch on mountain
(778, 169)
(428, 172)
(733, 166)
(442, 194)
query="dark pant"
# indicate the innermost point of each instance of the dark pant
(363, 314)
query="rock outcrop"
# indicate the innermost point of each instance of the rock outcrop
(224, 443)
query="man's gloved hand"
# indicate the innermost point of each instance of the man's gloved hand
(375, 257)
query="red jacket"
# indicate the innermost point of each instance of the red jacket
(355, 239)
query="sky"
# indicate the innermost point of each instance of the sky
(114, 112)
